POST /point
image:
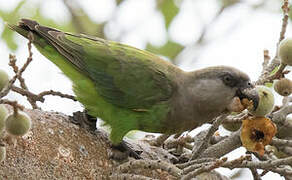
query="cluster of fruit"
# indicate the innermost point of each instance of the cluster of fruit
(257, 130)
(16, 123)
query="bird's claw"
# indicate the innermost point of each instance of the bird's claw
(123, 151)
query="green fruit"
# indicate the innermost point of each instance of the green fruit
(2, 153)
(232, 126)
(285, 51)
(283, 87)
(18, 124)
(266, 102)
(3, 114)
(4, 79)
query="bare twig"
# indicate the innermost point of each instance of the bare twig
(285, 9)
(267, 59)
(196, 152)
(236, 119)
(181, 141)
(196, 161)
(57, 93)
(266, 73)
(159, 140)
(223, 147)
(255, 174)
(281, 142)
(122, 176)
(267, 165)
(202, 169)
(150, 164)
(14, 104)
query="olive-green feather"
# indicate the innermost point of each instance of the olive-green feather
(126, 87)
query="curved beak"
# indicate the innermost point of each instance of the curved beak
(250, 94)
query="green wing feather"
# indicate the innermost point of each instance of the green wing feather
(123, 75)
(128, 88)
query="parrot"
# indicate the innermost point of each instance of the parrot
(132, 89)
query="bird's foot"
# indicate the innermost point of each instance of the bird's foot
(122, 151)
(84, 119)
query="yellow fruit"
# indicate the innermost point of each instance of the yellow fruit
(232, 126)
(3, 114)
(4, 79)
(283, 87)
(2, 153)
(285, 51)
(18, 124)
(266, 102)
(256, 133)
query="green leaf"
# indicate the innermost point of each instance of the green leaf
(11, 17)
(269, 85)
(274, 70)
(170, 49)
(169, 10)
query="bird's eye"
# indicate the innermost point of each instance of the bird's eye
(227, 78)
(249, 84)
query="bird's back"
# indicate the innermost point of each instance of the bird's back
(127, 87)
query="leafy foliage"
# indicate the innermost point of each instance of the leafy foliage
(169, 10)
(81, 23)
(170, 49)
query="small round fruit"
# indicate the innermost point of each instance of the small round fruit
(284, 131)
(18, 124)
(266, 102)
(285, 51)
(2, 153)
(3, 114)
(4, 79)
(283, 87)
(232, 126)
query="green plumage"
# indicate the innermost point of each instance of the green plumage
(128, 88)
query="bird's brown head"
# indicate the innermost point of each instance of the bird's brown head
(228, 82)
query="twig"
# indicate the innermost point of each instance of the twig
(198, 150)
(269, 164)
(57, 93)
(28, 61)
(267, 59)
(14, 104)
(127, 176)
(18, 72)
(202, 169)
(255, 174)
(279, 117)
(223, 147)
(159, 140)
(182, 141)
(285, 9)
(196, 161)
(217, 138)
(236, 119)
(264, 77)
(281, 142)
(150, 164)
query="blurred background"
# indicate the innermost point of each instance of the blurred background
(190, 33)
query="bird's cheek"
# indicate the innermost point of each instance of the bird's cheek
(235, 105)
